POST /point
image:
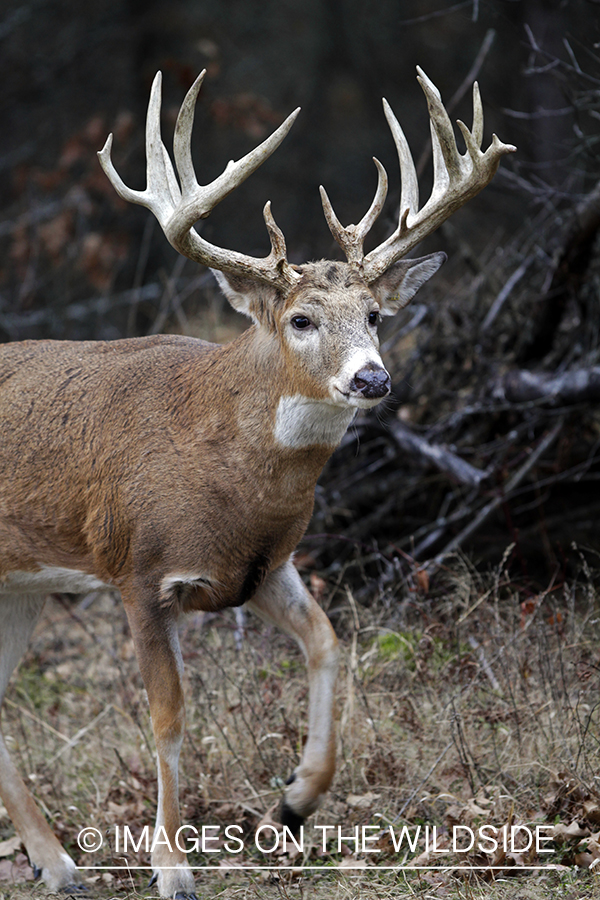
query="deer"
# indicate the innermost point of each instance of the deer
(182, 473)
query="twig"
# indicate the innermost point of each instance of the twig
(505, 292)
(416, 20)
(443, 459)
(419, 311)
(484, 663)
(100, 307)
(13, 323)
(489, 508)
(35, 719)
(168, 295)
(82, 731)
(424, 781)
(538, 114)
(554, 62)
(139, 274)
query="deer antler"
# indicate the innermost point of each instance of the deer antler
(456, 178)
(351, 239)
(178, 205)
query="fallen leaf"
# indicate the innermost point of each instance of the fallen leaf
(438, 881)
(269, 819)
(498, 857)
(591, 811)
(574, 830)
(362, 801)
(17, 870)
(351, 862)
(229, 864)
(8, 847)
(563, 833)
(425, 858)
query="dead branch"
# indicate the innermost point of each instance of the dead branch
(500, 498)
(505, 292)
(575, 386)
(173, 295)
(571, 254)
(434, 454)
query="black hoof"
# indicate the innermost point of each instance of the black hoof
(37, 872)
(289, 818)
(178, 895)
(75, 890)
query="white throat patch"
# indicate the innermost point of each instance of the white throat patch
(302, 422)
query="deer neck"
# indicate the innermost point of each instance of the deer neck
(276, 408)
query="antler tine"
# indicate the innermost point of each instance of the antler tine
(113, 176)
(477, 130)
(409, 184)
(333, 223)
(182, 139)
(178, 208)
(198, 201)
(162, 191)
(374, 211)
(351, 238)
(441, 126)
(457, 177)
(278, 248)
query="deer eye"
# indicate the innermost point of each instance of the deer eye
(373, 317)
(301, 322)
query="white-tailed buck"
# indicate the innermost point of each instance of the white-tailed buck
(182, 473)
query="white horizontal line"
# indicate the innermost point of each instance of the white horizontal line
(326, 868)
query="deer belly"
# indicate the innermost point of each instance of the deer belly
(50, 580)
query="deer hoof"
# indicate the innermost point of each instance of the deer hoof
(289, 818)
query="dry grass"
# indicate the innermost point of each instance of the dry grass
(473, 705)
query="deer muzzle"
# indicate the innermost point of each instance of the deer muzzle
(372, 382)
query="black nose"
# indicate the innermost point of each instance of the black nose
(371, 382)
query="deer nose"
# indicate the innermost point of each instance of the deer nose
(371, 382)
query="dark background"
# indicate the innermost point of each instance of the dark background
(71, 72)
(76, 262)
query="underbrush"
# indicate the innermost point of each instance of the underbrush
(465, 705)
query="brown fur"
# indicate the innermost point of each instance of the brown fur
(119, 462)
(181, 473)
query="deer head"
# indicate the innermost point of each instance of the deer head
(313, 309)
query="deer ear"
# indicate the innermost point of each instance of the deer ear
(397, 286)
(247, 296)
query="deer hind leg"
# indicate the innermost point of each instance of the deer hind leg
(158, 654)
(284, 601)
(18, 615)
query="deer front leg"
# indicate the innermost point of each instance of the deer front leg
(18, 615)
(156, 642)
(284, 601)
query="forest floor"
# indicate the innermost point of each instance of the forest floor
(470, 706)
